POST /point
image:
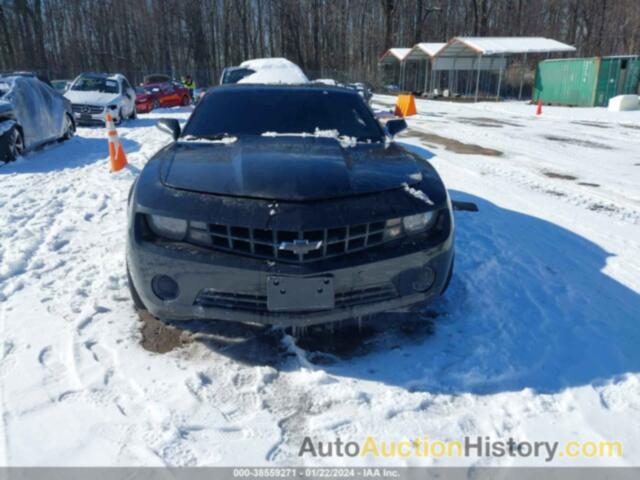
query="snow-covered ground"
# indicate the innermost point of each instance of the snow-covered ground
(538, 337)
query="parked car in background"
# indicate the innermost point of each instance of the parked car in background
(293, 207)
(264, 71)
(234, 74)
(161, 95)
(326, 81)
(155, 78)
(92, 95)
(31, 114)
(362, 89)
(61, 85)
(145, 100)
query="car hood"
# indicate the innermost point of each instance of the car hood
(287, 168)
(96, 98)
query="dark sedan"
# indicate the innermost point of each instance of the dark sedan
(286, 206)
(31, 114)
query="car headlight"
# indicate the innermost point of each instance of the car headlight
(167, 227)
(394, 227)
(419, 222)
(113, 107)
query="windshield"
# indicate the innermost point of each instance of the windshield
(95, 84)
(234, 75)
(59, 84)
(242, 111)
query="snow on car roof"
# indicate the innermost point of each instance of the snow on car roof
(273, 71)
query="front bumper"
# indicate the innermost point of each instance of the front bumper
(97, 118)
(224, 286)
(89, 119)
(144, 107)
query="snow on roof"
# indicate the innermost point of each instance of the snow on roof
(394, 55)
(424, 50)
(273, 71)
(458, 46)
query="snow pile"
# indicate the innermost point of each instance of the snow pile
(273, 71)
(624, 103)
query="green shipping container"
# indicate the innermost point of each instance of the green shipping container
(586, 82)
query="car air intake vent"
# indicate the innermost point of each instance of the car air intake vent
(87, 109)
(288, 245)
(211, 298)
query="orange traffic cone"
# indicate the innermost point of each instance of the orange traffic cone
(405, 106)
(117, 157)
(539, 109)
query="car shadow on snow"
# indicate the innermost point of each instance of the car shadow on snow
(142, 122)
(74, 153)
(529, 307)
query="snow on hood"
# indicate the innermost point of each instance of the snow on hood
(419, 194)
(273, 71)
(344, 140)
(97, 98)
(221, 141)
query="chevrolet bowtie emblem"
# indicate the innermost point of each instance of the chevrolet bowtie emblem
(300, 247)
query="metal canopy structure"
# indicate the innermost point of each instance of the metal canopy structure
(490, 54)
(502, 46)
(395, 56)
(462, 58)
(422, 51)
(425, 52)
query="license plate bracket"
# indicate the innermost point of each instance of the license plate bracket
(300, 293)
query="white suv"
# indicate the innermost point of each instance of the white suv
(92, 95)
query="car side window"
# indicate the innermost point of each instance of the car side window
(126, 86)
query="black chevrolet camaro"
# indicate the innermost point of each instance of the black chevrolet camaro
(286, 205)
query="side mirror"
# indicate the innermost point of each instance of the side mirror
(170, 126)
(393, 127)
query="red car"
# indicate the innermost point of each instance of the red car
(156, 95)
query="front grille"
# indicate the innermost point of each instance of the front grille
(211, 298)
(88, 109)
(266, 243)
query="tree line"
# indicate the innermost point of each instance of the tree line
(335, 38)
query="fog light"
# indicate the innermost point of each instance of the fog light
(165, 287)
(424, 280)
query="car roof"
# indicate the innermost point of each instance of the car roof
(12, 77)
(110, 76)
(293, 88)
